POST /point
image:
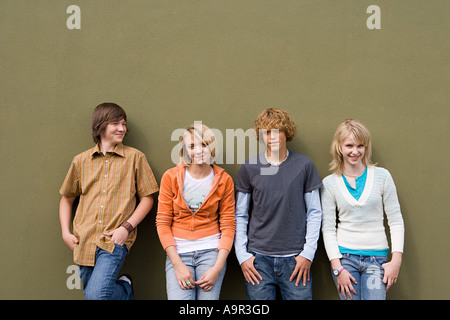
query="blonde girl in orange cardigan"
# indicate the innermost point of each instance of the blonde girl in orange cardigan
(195, 219)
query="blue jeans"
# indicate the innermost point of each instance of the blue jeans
(99, 281)
(199, 262)
(368, 273)
(276, 271)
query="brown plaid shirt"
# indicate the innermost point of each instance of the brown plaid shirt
(107, 186)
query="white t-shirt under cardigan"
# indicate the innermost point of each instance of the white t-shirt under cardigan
(360, 224)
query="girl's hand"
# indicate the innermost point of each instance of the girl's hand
(392, 269)
(208, 279)
(184, 276)
(344, 284)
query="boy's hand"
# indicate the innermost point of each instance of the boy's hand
(301, 270)
(118, 235)
(249, 271)
(70, 240)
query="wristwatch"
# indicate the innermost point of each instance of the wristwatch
(336, 272)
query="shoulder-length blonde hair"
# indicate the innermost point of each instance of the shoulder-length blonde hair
(360, 134)
(201, 133)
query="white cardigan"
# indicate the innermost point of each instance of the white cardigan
(360, 224)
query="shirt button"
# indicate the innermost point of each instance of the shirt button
(100, 221)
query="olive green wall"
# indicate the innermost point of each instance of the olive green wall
(169, 63)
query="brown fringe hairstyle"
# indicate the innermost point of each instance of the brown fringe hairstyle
(104, 114)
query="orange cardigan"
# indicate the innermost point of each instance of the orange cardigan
(175, 219)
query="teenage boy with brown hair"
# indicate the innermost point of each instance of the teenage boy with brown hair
(108, 179)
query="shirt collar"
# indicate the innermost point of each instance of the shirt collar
(117, 150)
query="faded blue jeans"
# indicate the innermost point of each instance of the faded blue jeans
(199, 262)
(276, 271)
(100, 282)
(368, 273)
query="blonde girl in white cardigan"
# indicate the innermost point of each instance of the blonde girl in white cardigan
(354, 200)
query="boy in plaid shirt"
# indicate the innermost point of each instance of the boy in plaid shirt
(107, 178)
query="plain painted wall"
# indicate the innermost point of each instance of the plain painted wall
(170, 63)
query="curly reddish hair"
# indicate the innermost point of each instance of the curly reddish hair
(274, 118)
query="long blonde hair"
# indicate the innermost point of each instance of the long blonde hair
(361, 135)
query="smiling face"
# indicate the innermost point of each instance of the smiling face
(351, 145)
(197, 150)
(114, 133)
(352, 151)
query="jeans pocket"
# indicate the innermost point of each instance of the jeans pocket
(256, 261)
(346, 259)
(346, 255)
(121, 247)
(379, 260)
(292, 263)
